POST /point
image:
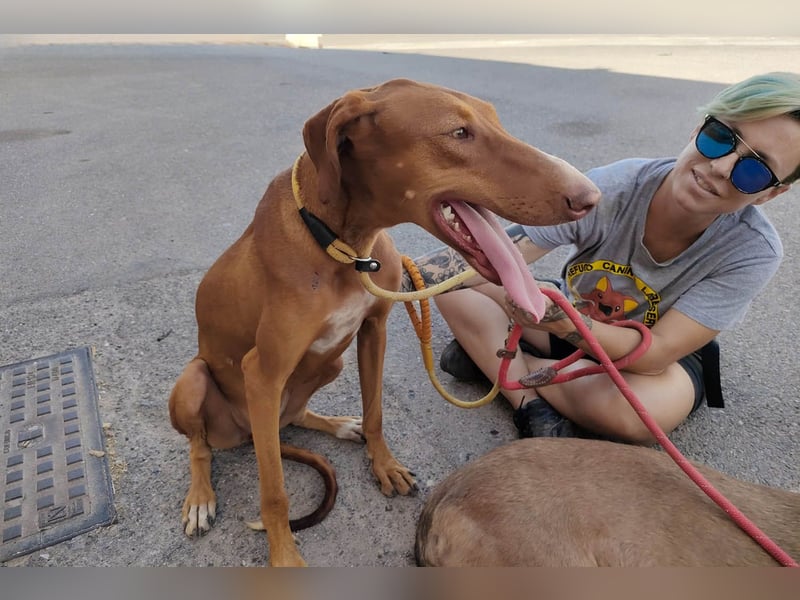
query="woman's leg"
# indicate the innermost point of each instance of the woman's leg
(480, 325)
(594, 402)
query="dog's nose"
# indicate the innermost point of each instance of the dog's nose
(583, 198)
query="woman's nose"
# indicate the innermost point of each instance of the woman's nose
(723, 165)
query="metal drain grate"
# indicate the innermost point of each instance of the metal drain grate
(54, 478)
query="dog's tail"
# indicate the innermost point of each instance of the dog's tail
(326, 471)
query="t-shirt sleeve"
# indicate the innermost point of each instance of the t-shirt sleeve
(617, 183)
(574, 232)
(721, 300)
(553, 236)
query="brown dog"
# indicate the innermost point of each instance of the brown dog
(573, 502)
(275, 313)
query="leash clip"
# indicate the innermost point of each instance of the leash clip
(367, 265)
(542, 376)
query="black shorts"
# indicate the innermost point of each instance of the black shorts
(701, 366)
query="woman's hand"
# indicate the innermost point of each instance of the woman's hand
(555, 320)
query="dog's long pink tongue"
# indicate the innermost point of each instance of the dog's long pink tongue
(504, 256)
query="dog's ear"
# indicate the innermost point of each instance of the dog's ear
(325, 136)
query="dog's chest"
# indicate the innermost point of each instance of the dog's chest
(343, 323)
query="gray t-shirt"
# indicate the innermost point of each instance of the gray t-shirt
(713, 281)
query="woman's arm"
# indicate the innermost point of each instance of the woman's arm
(674, 336)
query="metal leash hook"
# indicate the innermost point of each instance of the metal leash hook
(367, 265)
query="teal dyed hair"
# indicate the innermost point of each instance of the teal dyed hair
(759, 97)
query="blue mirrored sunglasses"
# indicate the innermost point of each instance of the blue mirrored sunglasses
(750, 174)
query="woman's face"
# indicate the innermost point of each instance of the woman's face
(704, 183)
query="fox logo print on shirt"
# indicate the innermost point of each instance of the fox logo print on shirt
(605, 304)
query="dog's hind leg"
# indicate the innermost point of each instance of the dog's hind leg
(199, 410)
(346, 428)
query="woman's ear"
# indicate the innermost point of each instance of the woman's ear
(694, 133)
(773, 192)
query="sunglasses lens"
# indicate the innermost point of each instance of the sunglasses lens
(714, 140)
(750, 175)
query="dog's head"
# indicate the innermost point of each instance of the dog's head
(436, 142)
(433, 156)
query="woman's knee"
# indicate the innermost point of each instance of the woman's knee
(465, 306)
(665, 413)
(610, 413)
(633, 430)
(617, 421)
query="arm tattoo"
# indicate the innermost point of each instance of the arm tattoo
(573, 337)
(435, 267)
(554, 313)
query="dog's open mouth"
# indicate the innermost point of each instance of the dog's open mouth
(475, 233)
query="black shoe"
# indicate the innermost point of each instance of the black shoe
(456, 362)
(538, 419)
(527, 348)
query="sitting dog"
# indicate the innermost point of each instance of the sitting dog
(275, 312)
(561, 502)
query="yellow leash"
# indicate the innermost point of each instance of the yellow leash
(422, 325)
(343, 253)
(421, 293)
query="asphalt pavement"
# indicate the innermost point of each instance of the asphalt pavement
(125, 170)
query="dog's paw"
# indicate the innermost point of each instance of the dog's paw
(198, 518)
(348, 428)
(393, 478)
(256, 525)
(345, 428)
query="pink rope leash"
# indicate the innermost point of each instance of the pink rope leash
(550, 376)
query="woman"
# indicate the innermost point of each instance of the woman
(679, 244)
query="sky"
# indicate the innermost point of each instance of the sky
(697, 17)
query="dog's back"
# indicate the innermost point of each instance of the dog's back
(573, 502)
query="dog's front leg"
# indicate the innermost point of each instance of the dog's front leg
(264, 406)
(371, 345)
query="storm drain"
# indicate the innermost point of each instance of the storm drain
(55, 481)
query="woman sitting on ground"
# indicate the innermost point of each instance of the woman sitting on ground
(679, 244)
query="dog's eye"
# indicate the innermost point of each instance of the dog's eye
(462, 133)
